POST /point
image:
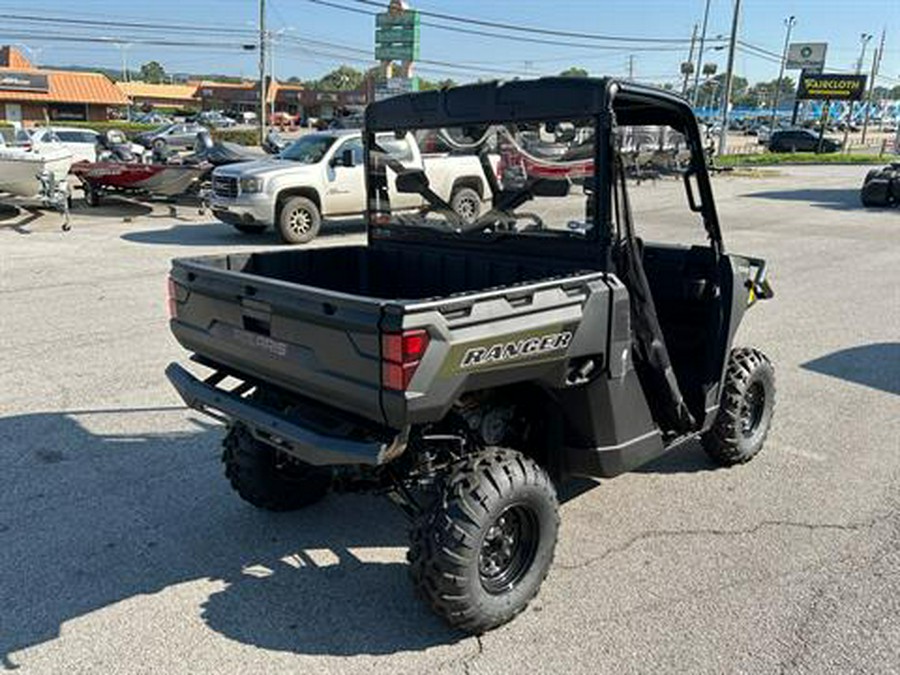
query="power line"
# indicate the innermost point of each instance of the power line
(222, 30)
(498, 36)
(532, 29)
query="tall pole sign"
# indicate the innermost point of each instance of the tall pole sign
(397, 39)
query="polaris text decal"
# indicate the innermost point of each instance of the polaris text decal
(508, 351)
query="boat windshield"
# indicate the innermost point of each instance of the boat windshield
(309, 149)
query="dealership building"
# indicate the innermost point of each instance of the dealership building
(146, 95)
(32, 95)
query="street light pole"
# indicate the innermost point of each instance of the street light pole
(789, 24)
(876, 64)
(690, 61)
(262, 70)
(864, 38)
(729, 76)
(700, 55)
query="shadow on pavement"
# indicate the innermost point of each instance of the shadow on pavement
(690, 458)
(95, 510)
(112, 207)
(842, 199)
(220, 234)
(875, 365)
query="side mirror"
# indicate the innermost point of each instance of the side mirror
(344, 159)
(412, 181)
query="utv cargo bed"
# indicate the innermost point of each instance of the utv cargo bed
(311, 321)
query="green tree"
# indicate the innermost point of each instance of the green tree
(343, 78)
(426, 85)
(153, 72)
(574, 71)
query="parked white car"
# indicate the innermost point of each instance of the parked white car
(82, 143)
(321, 175)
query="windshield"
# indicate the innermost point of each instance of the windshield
(308, 149)
(522, 178)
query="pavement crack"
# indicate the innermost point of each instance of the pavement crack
(718, 532)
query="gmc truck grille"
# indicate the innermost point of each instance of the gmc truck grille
(225, 186)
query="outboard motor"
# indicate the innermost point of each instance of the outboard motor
(114, 147)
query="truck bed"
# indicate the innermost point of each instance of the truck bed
(310, 321)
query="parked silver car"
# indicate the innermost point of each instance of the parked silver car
(178, 135)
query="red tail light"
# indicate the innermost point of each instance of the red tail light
(401, 354)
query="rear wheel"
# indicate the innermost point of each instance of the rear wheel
(299, 221)
(267, 477)
(745, 411)
(467, 204)
(480, 554)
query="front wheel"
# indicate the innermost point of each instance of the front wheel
(299, 221)
(745, 410)
(480, 554)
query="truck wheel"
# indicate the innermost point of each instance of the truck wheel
(245, 228)
(480, 554)
(300, 220)
(745, 411)
(266, 477)
(467, 204)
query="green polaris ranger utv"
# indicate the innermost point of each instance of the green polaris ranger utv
(467, 365)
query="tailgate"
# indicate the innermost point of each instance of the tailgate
(317, 343)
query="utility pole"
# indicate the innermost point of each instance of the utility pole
(729, 75)
(789, 24)
(272, 75)
(864, 38)
(689, 62)
(262, 70)
(700, 56)
(876, 65)
(631, 67)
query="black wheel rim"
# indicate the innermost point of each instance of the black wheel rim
(752, 409)
(508, 549)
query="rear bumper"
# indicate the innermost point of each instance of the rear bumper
(286, 433)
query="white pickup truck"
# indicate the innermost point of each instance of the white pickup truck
(321, 175)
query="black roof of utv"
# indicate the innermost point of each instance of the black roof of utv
(540, 99)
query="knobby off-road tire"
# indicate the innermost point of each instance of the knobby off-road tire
(264, 477)
(480, 554)
(745, 411)
(299, 221)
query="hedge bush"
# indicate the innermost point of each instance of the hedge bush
(239, 136)
(128, 128)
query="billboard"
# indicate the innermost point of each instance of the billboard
(808, 56)
(831, 86)
(397, 33)
(395, 86)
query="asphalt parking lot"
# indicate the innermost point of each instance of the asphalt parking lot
(123, 549)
